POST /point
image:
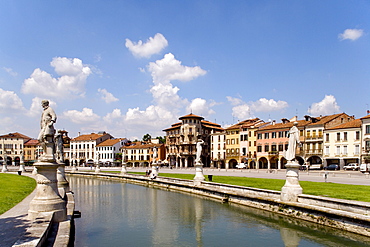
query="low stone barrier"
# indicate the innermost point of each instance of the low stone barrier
(351, 216)
(41, 230)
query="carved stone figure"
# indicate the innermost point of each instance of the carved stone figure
(46, 135)
(199, 150)
(59, 148)
(293, 140)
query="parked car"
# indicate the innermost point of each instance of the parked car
(351, 166)
(241, 166)
(332, 167)
(315, 167)
(365, 167)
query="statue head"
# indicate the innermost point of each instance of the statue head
(45, 103)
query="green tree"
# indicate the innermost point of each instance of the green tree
(147, 137)
(161, 139)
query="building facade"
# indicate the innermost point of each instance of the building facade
(342, 144)
(12, 148)
(82, 148)
(181, 139)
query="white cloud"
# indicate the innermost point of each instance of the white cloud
(10, 71)
(169, 69)
(10, 102)
(86, 116)
(107, 96)
(201, 107)
(352, 34)
(114, 115)
(152, 46)
(327, 106)
(243, 110)
(71, 83)
(266, 105)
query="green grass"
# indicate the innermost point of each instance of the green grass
(13, 189)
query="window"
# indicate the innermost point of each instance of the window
(327, 150)
(300, 133)
(327, 137)
(266, 135)
(320, 133)
(345, 150)
(357, 149)
(338, 150)
(259, 148)
(345, 136)
(266, 148)
(308, 134)
(281, 147)
(259, 136)
(273, 135)
(338, 137)
(273, 148)
(314, 134)
(244, 150)
(357, 135)
(367, 130)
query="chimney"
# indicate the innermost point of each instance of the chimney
(79, 133)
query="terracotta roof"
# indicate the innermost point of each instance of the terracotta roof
(146, 145)
(88, 137)
(191, 115)
(285, 125)
(16, 135)
(110, 142)
(351, 124)
(32, 142)
(326, 119)
(366, 117)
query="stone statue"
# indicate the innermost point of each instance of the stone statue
(293, 140)
(59, 148)
(199, 150)
(46, 135)
(155, 153)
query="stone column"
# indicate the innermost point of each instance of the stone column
(47, 197)
(199, 176)
(124, 170)
(61, 177)
(292, 188)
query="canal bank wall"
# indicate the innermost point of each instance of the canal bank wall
(44, 231)
(347, 215)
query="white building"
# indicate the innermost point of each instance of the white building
(106, 151)
(365, 151)
(82, 148)
(218, 149)
(342, 144)
(12, 148)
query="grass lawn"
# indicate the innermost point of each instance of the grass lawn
(333, 190)
(13, 189)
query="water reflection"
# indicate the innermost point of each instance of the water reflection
(123, 214)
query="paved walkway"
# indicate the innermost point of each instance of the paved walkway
(13, 223)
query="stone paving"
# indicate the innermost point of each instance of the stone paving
(13, 223)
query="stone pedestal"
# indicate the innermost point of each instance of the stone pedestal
(74, 168)
(199, 176)
(292, 188)
(47, 197)
(123, 170)
(61, 177)
(154, 172)
(5, 168)
(22, 168)
(97, 168)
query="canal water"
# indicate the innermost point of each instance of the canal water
(124, 214)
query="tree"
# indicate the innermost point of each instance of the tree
(147, 137)
(161, 139)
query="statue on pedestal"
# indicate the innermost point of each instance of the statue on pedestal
(292, 188)
(199, 176)
(199, 151)
(46, 135)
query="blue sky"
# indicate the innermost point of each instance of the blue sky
(135, 67)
